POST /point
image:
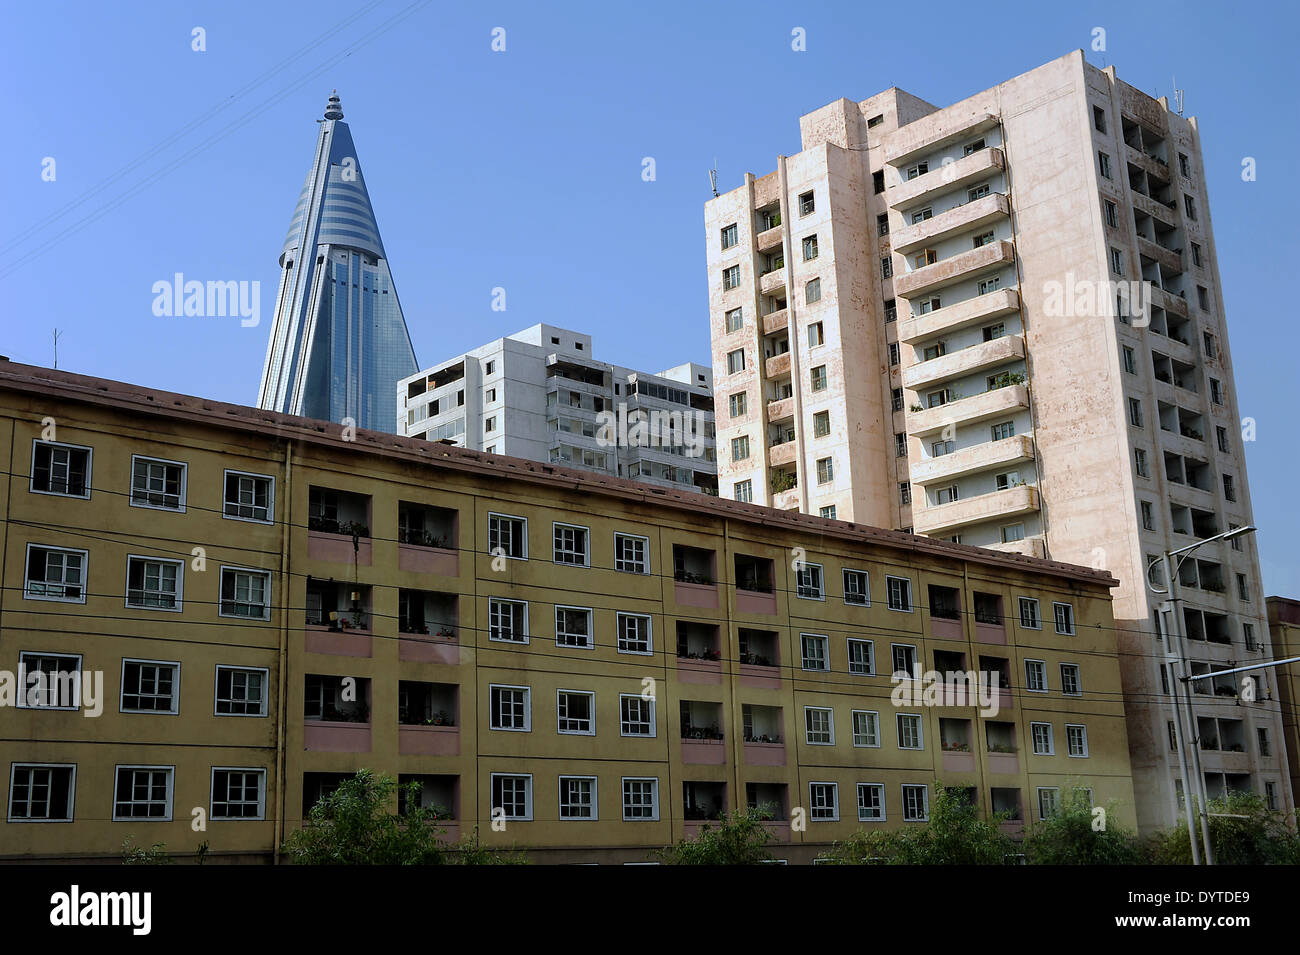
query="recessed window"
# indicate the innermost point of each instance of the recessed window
(249, 497)
(823, 802)
(808, 579)
(1049, 801)
(918, 169)
(49, 681)
(1116, 261)
(815, 653)
(1112, 214)
(806, 204)
(916, 803)
(578, 796)
(743, 491)
(894, 355)
(828, 512)
(1099, 119)
(909, 731)
(1043, 743)
(634, 633)
(882, 224)
(512, 796)
(631, 554)
(1196, 255)
(740, 448)
(1148, 516)
(730, 236)
(1184, 166)
(1071, 683)
(55, 573)
(238, 794)
(1064, 614)
(1103, 165)
(1130, 365)
(570, 544)
(815, 336)
(1029, 618)
(904, 493)
(871, 802)
(904, 660)
(511, 708)
(575, 712)
(825, 470)
(508, 536)
(157, 483)
(736, 361)
(886, 267)
(866, 728)
(640, 799)
(154, 583)
(41, 792)
(150, 686)
(878, 181)
(573, 627)
(862, 656)
(819, 725)
(875, 121)
(737, 405)
(735, 320)
(1076, 740)
(899, 593)
(1036, 676)
(1216, 391)
(1135, 412)
(143, 792)
(731, 278)
(636, 715)
(241, 691)
(857, 588)
(1189, 207)
(490, 368)
(1140, 462)
(507, 620)
(821, 424)
(62, 469)
(245, 593)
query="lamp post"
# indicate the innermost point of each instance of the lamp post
(1190, 740)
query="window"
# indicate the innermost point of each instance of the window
(939, 448)
(744, 491)
(1029, 614)
(1064, 614)
(1036, 676)
(1116, 261)
(857, 588)
(154, 584)
(875, 121)
(238, 794)
(909, 731)
(1099, 119)
(249, 497)
(806, 204)
(1148, 516)
(1216, 391)
(810, 248)
(900, 444)
(490, 395)
(1184, 166)
(808, 579)
(578, 794)
(1270, 795)
(1012, 532)
(1042, 738)
(1140, 462)
(735, 319)
(896, 399)
(1071, 684)
(891, 311)
(570, 544)
(55, 573)
(575, 712)
(736, 361)
(1189, 206)
(878, 181)
(241, 691)
(730, 278)
(740, 448)
(159, 484)
(825, 470)
(899, 593)
(490, 368)
(1243, 589)
(737, 404)
(143, 792)
(815, 652)
(640, 799)
(491, 424)
(815, 336)
(730, 236)
(1135, 412)
(1112, 214)
(1229, 488)
(508, 536)
(1076, 740)
(48, 681)
(245, 593)
(893, 354)
(921, 215)
(41, 792)
(1265, 746)
(918, 169)
(821, 424)
(812, 292)
(924, 258)
(507, 620)
(983, 239)
(946, 495)
(634, 635)
(886, 267)
(513, 796)
(636, 715)
(819, 724)
(1196, 255)
(862, 656)
(866, 728)
(510, 708)
(150, 686)
(871, 802)
(904, 493)
(60, 469)
(1203, 298)
(823, 802)
(1049, 801)
(904, 655)
(916, 803)
(1103, 165)
(882, 224)
(573, 627)
(1248, 636)
(818, 378)
(1129, 365)
(1002, 430)
(631, 554)
(1207, 343)
(828, 512)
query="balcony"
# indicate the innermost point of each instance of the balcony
(776, 321)
(966, 217)
(1148, 164)
(1171, 262)
(773, 281)
(997, 403)
(780, 410)
(778, 366)
(973, 460)
(1029, 547)
(967, 361)
(1169, 301)
(434, 648)
(781, 454)
(428, 740)
(770, 239)
(998, 505)
(979, 310)
(954, 269)
(786, 500)
(978, 166)
(328, 736)
(936, 132)
(337, 548)
(1156, 210)
(338, 641)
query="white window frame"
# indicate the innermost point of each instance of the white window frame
(916, 658)
(920, 731)
(654, 726)
(528, 795)
(72, 792)
(524, 537)
(180, 584)
(830, 725)
(1033, 739)
(879, 789)
(528, 709)
(492, 628)
(1029, 688)
(221, 584)
(270, 497)
(556, 527)
(1069, 743)
(185, 480)
(866, 591)
(176, 687)
(171, 792)
(1038, 616)
(591, 628)
(925, 802)
(259, 771)
(595, 798)
(90, 460)
(1057, 619)
(826, 652)
(871, 655)
(1078, 679)
(1055, 799)
(648, 620)
(817, 592)
(654, 792)
(853, 725)
(591, 697)
(834, 806)
(216, 690)
(27, 582)
(889, 595)
(645, 560)
(24, 676)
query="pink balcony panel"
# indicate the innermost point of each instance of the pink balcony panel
(428, 740)
(707, 672)
(761, 678)
(942, 628)
(324, 736)
(958, 762)
(991, 633)
(1004, 763)
(765, 754)
(428, 560)
(748, 601)
(780, 829)
(341, 643)
(337, 548)
(704, 752)
(422, 649)
(704, 596)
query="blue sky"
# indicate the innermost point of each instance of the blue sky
(522, 169)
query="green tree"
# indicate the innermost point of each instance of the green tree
(469, 851)
(739, 838)
(139, 855)
(1245, 832)
(354, 826)
(1069, 836)
(955, 835)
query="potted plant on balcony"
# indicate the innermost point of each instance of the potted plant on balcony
(956, 747)
(1001, 748)
(712, 655)
(446, 633)
(441, 718)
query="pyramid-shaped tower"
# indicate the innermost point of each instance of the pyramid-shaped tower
(339, 343)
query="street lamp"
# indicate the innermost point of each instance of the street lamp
(1190, 739)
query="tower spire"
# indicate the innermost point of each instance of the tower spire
(334, 109)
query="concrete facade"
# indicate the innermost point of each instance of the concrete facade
(1028, 410)
(1284, 627)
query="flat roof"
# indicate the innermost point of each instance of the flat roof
(41, 382)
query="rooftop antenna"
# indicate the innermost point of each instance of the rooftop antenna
(713, 177)
(57, 333)
(1178, 97)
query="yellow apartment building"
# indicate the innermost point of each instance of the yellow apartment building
(258, 604)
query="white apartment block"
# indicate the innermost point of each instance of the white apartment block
(539, 394)
(915, 325)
